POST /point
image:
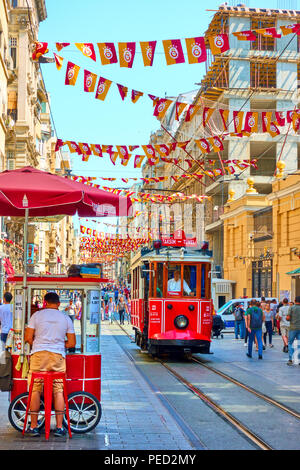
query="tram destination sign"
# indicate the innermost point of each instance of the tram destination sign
(187, 242)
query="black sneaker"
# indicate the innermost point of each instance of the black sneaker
(290, 362)
(249, 355)
(60, 432)
(33, 432)
(259, 357)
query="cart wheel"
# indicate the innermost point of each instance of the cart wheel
(84, 411)
(17, 411)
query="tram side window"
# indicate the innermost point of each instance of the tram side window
(159, 282)
(189, 280)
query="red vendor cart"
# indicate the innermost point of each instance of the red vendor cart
(83, 362)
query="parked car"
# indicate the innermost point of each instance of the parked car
(226, 311)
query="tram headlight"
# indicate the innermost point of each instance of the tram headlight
(181, 322)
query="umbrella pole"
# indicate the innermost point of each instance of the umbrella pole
(24, 280)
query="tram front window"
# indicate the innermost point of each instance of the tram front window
(175, 285)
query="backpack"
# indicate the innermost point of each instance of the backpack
(239, 314)
(256, 318)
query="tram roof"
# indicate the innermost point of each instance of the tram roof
(179, 255)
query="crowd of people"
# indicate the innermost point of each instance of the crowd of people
(116, 303)
(262, 319)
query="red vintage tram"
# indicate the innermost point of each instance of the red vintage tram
(171, 306)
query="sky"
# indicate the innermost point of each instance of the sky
(78, 115)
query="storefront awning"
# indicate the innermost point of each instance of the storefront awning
(296, 271)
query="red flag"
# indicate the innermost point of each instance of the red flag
(219, 43)
(161, 107)
(102, 88)
(73, 147)
(280, 118)
(123, 151)
(224, 113)
(173, 51)
(238, 121)
(196, 50)
(40, 48)
(245, 36)
(71, 74)
(251, 122)
(59, 143)
(148, 50)
(123, 90)
(85, 148)
(126, 54)
(58, 61)
(97, 150)
(135, 95)
(268, 32)
(138, 161)
(289, 29)
(61, 45)
(203, 145)
(87, 49)
(90, 80)
(107, 52)
(207, 113)
(191, 112)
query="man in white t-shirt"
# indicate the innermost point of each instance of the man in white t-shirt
(174, 285)
(6, 320)
(46, 333)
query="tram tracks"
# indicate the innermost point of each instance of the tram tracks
(251, 436)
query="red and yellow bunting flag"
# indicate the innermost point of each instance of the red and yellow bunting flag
(85, 148)
(58, 61)
(153, 160)
(238, 117)
(61, 45)
(180, 107)
(203, 145)
(126, 54)
(123, 90)
(173, 51)
(224, 113)
(163, 150)
(219, 44)
(216, 143)
(191, 112)
(296, 121)
(148, 50)
(268, 32)
(123, 151)
(149, 151)
(73, 147)
(102, 89)
(135, 95)
(113, 157)
(289, 29)
(162, 107)
(251, 122)
(268, 125)
(245, 36)
(90, 80)
(125, 161)
(280, 118)
(40, 48)
(71, 74)
(59, 143)
(87, 49)
(207, 114)
(196, 50)
(107, 53)
(97, 150)
(138, 161)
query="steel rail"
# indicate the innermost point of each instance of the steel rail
(258, 441)
(249, 389)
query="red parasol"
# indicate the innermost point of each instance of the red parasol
(43, 193)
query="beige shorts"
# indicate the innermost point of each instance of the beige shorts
(284, 330)
(46, 361)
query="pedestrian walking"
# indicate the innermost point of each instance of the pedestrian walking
(269, 323)
(111, 309)
(239, 321)
(70, 310)
(293, 317)
(284, 323)
(122, 308)
(254, 318)
(6, 318)
(46, 333)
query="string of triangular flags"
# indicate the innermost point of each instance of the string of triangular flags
(173, 49)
